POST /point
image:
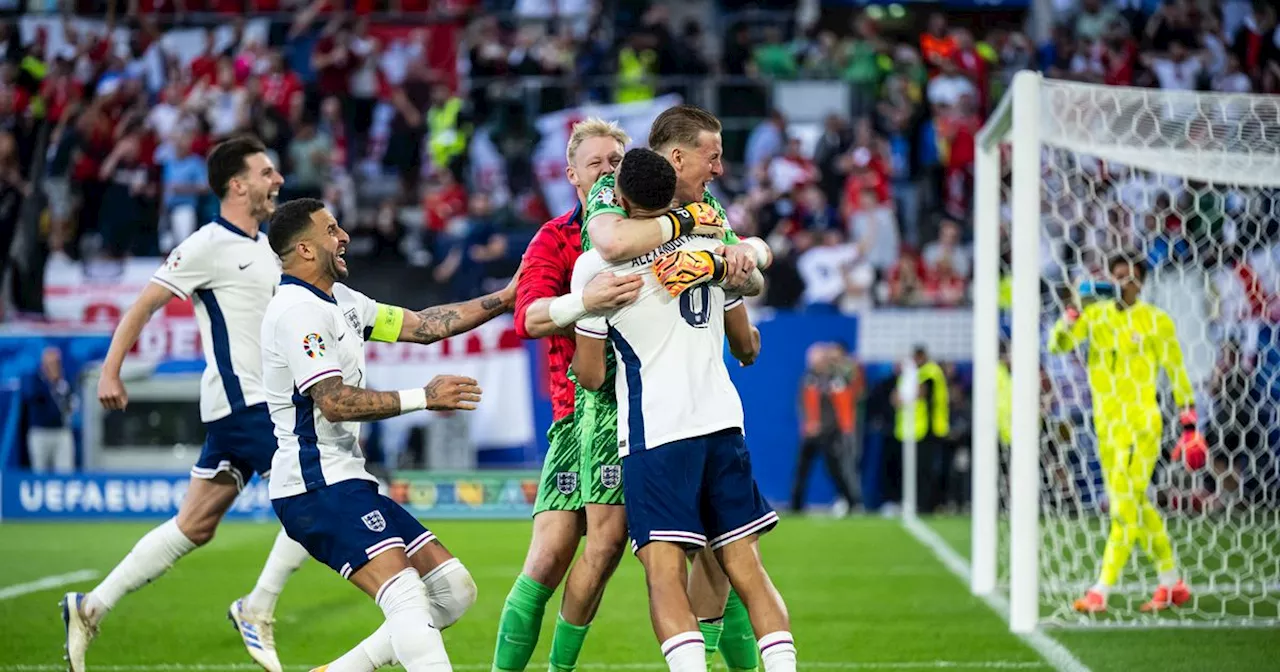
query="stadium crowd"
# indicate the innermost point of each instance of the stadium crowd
(874, 212)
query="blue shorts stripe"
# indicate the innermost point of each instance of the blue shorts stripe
(222, 349)
(304, 427)
(635, 395)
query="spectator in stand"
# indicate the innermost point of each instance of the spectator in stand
(824, 269)
(937, 45)
(310, 159)
(1257, 45)
(948, 249)
(902, 124)
(637, 68)
(949, 85)
(962, 124)
(225, 104)
(970, 64)
(185, 181)
(281, 88)
(166, 116)
(792, 170)
(766, 141)
(834, 142)
(333, 60)
(773, 59)
(13, 190)
(408, 126)
(1119, 56)
(1179, 71)
(904, 285)
(50, 399)
(875, 228)
(1232, 79)
(1056, 54)
(128, 198)
(1172, 22)
(1093, 19)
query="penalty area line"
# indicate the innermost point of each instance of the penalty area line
(1053, 652)
(47, 583)
(884, 665)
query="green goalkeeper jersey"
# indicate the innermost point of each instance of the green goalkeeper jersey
(603, 198)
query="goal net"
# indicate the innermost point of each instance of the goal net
(1068, 176)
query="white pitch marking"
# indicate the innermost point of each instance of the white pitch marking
(1049, 648)
(883, 665)
(47, 583)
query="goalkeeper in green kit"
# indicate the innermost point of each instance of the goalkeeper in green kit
(582, 471)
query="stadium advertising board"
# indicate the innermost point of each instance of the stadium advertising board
(27, 496)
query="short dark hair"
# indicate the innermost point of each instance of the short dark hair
(227, 160)
(646, 179)
(681, 125)
(1132, 259)
(289, 221)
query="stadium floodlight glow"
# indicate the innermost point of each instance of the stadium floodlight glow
(1066, 174)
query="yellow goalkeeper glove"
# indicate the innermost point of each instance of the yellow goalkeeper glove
(695, 218)
(681, 270)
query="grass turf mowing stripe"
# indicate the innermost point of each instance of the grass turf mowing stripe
(1053, 652)
(47, 583)
(248, 667)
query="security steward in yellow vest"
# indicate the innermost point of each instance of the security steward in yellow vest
(446, 128)
(928, 421)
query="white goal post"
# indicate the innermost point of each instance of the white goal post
(1037, 186)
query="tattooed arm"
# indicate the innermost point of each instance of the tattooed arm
(440, 322)
(753, 285)
(339, 402)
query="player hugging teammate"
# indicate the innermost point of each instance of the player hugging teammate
(581, 482)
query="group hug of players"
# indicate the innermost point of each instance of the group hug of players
(636, 298)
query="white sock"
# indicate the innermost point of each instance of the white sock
(152, 556)
(1101, 588)
(686, 652)
(417, 645)
(285, 558)
(450, 591)
(778, 652)
(1169, 578)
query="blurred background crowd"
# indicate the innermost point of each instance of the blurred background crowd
(416, 120)
(849, 135)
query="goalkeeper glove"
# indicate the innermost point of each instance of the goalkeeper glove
(695, 218)
(681, 270)
(1191, 448)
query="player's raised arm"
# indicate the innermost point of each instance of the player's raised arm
(744, 339)
(392, 323)
(1070, 330)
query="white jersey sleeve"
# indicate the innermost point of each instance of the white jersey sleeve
(190, 266)
(587, 267)
(305, 336)
(360, 311)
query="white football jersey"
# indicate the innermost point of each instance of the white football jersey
(229, 278)
(308, 336)
(671, 380)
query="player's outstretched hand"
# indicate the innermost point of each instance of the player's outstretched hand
(608, 291)
(747, 359)
(739, 263)
(452, 393)
(508, 293)
(111, 393)
(678, 271)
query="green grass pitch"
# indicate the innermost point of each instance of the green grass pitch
(863, 595)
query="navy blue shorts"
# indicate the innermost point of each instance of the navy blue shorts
(347, 524)
(240, 444)
(694, 492)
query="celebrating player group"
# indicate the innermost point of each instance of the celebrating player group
(644, 272)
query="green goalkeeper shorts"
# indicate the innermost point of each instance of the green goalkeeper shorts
(601, 467)
(558, 489)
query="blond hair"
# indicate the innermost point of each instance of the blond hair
(681, 125)
(594, 127)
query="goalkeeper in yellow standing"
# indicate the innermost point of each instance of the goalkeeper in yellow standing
(1129, 342)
